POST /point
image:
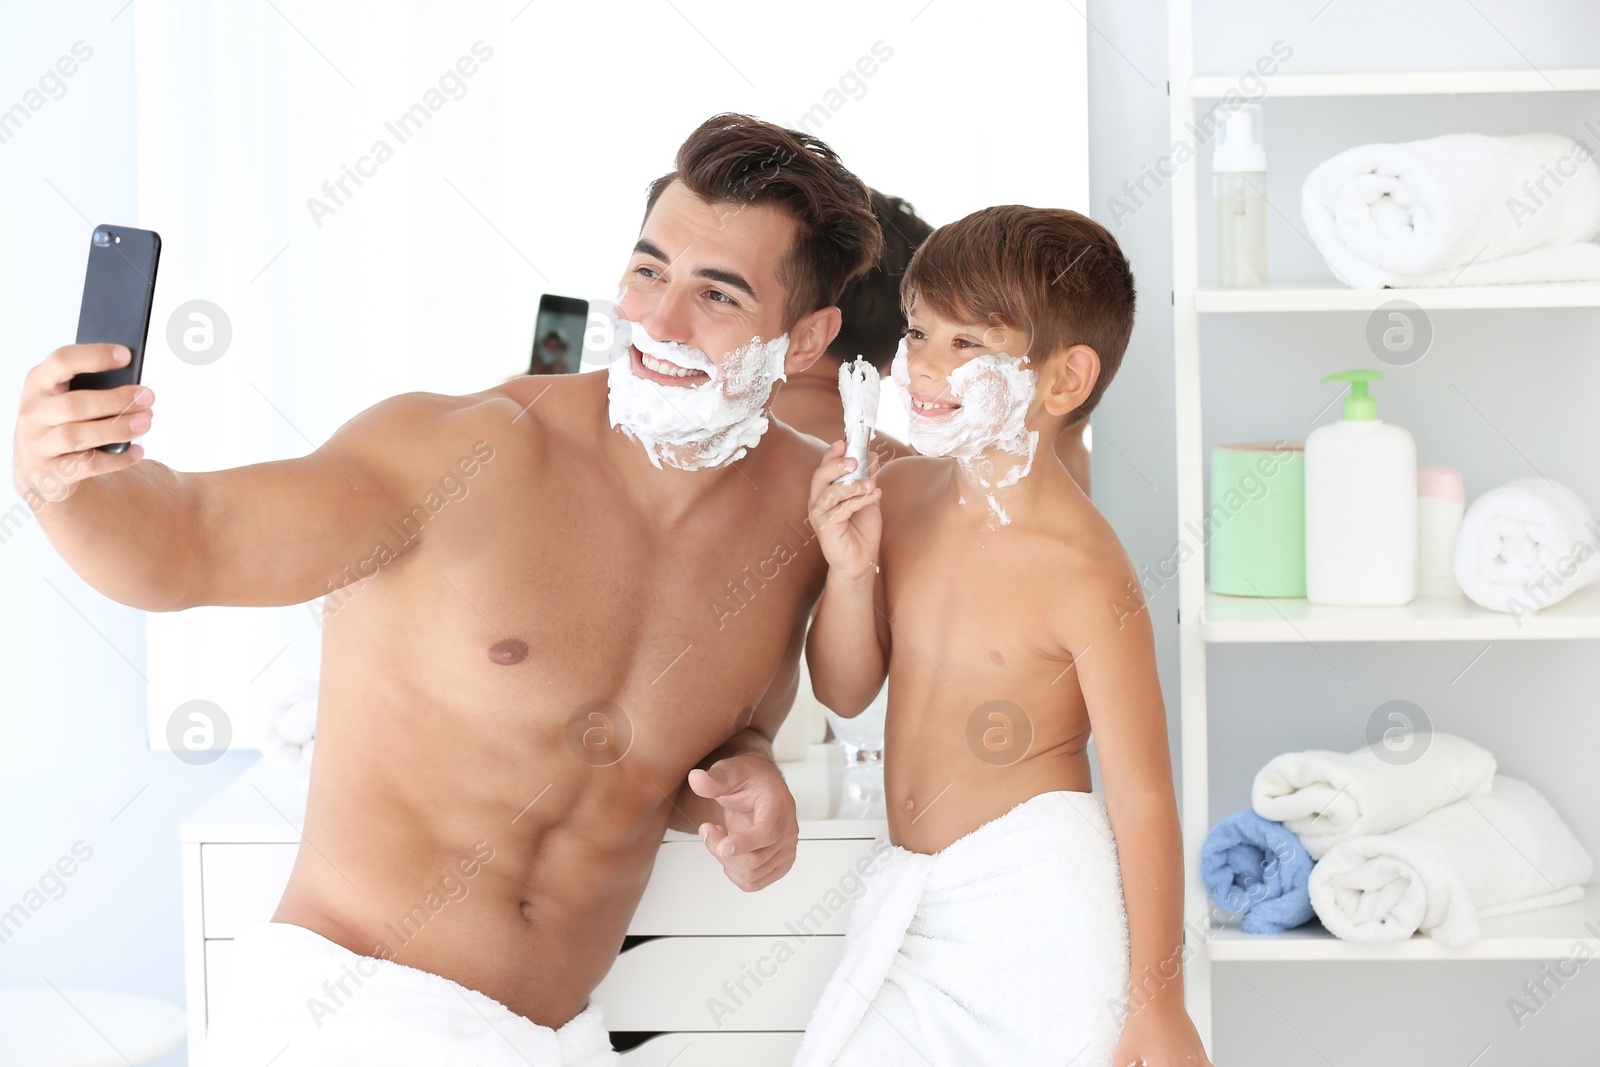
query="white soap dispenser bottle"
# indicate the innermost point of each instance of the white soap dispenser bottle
(1361, 505)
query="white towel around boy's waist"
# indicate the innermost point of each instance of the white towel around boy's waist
(1004, 948)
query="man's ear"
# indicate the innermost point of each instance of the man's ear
(1067, 378)
(810, 338)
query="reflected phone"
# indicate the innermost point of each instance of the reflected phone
(118, 290)
(558, 335)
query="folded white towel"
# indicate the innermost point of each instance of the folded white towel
(289, 737)
(1526, 545)
(1462, 209)
(1009, 946)
(1474, 859)
(1329, 797)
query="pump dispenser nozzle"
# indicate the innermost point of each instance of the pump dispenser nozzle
(1358, 406)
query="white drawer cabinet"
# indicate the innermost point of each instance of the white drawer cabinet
(720, 977)
(728, 1049)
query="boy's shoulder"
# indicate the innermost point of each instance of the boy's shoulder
(1099, 579)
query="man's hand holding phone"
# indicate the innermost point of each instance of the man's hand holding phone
(60, 430)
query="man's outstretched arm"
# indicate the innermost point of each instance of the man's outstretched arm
(154, 538)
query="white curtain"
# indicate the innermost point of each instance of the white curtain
(516, 142)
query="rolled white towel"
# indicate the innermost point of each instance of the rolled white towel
(1474, 859)
(1528, 544)
(289, 737)
(1329, 797)
(1462, 209)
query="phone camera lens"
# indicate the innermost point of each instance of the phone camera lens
(102, 238)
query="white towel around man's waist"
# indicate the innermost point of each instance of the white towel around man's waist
(1528, 544)
(1461, 209)
(1329, 797)
(1009, 947)
(1477, 858)
(292, 998)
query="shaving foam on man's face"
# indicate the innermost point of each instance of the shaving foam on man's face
(712, 419)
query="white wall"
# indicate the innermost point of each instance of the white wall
(74, 765)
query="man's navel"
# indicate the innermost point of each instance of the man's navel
(511, 650)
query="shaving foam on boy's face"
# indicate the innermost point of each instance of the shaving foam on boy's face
(981, 424)
(708, 423)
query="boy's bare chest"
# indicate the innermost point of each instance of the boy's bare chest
(978, 607)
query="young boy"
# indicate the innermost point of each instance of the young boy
(1010, 623)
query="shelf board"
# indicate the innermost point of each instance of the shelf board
(1405, 83)
(1543, 934)
(1263, 619)
(1314, 297)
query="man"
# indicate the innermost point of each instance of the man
(500, 736)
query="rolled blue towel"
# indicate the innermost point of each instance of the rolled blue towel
(1258, 868)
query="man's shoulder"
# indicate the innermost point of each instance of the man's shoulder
(407, 436)
(790, 447)
(422, 421)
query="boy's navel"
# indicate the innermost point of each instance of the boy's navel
(999, 660)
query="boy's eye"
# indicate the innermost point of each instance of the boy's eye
(913, 333)
(645, 271)
(720, 297)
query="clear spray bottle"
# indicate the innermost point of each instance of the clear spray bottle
(1239, 187)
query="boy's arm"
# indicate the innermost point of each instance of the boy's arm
(844, 650)
(1113, 649)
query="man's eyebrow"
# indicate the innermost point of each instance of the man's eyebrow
(729, 278)
(732, 279)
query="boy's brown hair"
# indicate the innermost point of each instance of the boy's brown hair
(1056, 273)
(738, 160)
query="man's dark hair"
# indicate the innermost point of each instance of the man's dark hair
(873, 321)
(737, 159)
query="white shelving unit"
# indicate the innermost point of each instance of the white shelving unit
(1407, 83)
(1206, 618)
(1315, 298)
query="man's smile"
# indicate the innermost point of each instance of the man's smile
(654, 369)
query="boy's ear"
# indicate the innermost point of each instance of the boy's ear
(810, 337)
(1067, 378)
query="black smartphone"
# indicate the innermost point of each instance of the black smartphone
(558, 335)
(117, 293)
